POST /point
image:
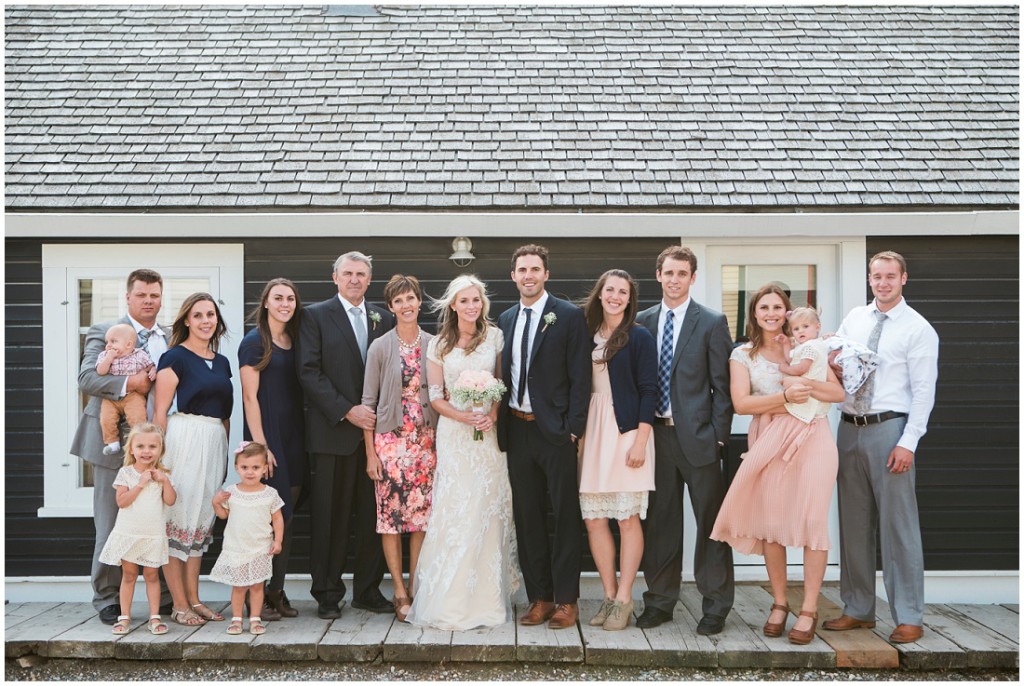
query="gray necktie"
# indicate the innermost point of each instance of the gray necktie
(862, 401)
(144, 339)
(360, 328)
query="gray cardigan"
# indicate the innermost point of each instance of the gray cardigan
(382, 386)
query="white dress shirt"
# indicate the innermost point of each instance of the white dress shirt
(908, 366)
(679, 313)
(156, 346)
(517, 347)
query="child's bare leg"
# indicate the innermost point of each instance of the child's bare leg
(238, 600)
(152, 577)
(129, 575)
(255, 600)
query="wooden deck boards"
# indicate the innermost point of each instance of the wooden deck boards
(957, 636)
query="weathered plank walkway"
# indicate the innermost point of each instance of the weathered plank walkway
(956, 637)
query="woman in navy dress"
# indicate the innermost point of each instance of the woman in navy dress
(272, 399)
(197, 444)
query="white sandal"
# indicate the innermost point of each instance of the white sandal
(256, 626)
(235, 626)
(121, 625)
(156, 627)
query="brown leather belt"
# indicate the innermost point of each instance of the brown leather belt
(525, 416)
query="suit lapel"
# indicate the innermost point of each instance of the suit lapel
(542, 328)
(649, 319)
(507, 322)
(689, 326)
(340, 318)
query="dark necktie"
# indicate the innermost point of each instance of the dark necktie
(524, 357)
(665, 365)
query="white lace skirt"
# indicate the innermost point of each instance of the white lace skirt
(614, 505)
(197, 454)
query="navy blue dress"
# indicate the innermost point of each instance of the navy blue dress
(201, 390)
(284, 425)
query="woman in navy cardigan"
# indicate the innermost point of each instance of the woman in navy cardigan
(617, 467)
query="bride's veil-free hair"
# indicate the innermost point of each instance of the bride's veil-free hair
(448, 320)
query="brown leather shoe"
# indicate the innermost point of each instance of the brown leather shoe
(564, 617)
(802, 638)
(775, 630)
(906, 633)
(540, 611)
(846, 622)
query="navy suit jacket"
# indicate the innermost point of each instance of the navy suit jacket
(633, 373)
(331, 373)
(558, 377)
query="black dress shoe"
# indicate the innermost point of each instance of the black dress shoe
(710, 624)
(374, 601)
(652, 617)
(325, 609)
(108, 615)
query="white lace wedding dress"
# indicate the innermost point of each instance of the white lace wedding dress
(468, 567)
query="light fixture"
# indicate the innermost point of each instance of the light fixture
(462, 255)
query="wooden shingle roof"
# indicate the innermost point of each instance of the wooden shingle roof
(639, 108)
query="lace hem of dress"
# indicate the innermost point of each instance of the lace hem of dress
(622, 505)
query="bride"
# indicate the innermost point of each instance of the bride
(468, 567)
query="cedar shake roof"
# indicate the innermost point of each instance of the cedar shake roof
(548, 108)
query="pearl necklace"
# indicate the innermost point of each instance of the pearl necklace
(415, 343)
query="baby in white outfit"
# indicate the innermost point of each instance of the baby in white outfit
(808, 360)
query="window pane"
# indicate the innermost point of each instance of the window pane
(740, 282)
(102, 300)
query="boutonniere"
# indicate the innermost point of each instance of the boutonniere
(549, 320)
(375, 318)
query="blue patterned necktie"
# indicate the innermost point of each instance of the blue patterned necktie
(143, 341)
(862, 401)
(665, 365)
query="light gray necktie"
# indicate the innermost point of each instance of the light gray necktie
(143, 341)
(360, 328)
(862, 401)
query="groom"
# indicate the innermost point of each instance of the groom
(547, 360)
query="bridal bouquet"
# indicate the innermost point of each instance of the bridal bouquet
(477, 389)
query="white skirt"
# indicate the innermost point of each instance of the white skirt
(197, 450)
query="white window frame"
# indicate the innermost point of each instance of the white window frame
(63, 266)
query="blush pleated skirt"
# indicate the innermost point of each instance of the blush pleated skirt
(783, 489)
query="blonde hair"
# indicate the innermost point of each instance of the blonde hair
(145, 428)
(126, 330)
(800, 313)
(252, 449)
(448, 321)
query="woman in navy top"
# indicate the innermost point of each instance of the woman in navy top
(617, 467)
(274, 416)
(197, 444)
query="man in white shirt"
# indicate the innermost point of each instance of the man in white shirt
(143, 297)
(878, 438)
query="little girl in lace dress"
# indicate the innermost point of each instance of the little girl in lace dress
(252, 536)
(139, 538)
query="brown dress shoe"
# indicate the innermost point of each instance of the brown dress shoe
(540, 611)
(802, 638)
(775, 630)
(846, 622)
(565, 616)
(906, 633)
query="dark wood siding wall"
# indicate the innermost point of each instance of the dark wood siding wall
(966, 286)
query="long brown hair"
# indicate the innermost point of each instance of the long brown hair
(261, 315)
(448, 321)
(594, 313)
(179, 332)
(753, 330)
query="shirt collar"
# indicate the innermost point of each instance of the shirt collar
(139, 327)
(679, 311)
(537, 307)
(348, 306)
(895, 312)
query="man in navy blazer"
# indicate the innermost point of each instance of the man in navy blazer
(691, 427)
(546, 363)
(334, 336)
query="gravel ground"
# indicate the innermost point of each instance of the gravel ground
(123, 670)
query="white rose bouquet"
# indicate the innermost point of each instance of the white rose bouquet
(475, 390)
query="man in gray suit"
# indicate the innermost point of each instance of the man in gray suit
(693, 421)
(145, 290)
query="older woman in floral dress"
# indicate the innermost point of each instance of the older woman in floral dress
(400, 455)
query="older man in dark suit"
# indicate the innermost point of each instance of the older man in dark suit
(333, 338)
(547, 362)
(691, 427)
(143, 297)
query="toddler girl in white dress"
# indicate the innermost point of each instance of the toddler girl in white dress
(139, 537)
(809, 360)
(252, 536)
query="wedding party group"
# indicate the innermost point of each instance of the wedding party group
(497, 445)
